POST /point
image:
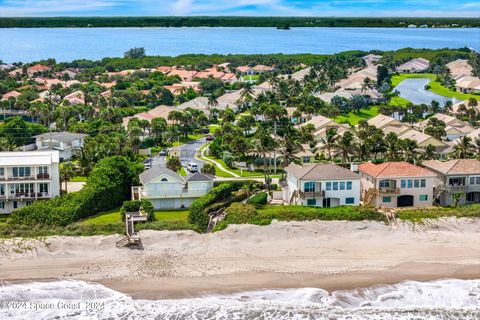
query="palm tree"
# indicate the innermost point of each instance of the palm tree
(67, 172)
(329, 142)
(463, 149)
(430, 153)
(456, 196)
(409, 150)
(392, 146)
(264, 143)
(345, 146)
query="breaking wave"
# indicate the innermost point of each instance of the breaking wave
(408, 300)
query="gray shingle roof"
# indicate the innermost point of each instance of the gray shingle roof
(320, 171)
(60, 136)
(154, 172)
(198, 176)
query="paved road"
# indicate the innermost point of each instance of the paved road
(187, 154)
(413, 90)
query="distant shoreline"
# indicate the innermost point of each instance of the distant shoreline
(230, 21)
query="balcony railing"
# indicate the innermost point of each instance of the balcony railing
(40, 176)
(184, 193)
(388, 190)
(26, 195)
(456, 188)
(43, 176)
(312, 194)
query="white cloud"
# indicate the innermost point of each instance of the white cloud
(182, 7)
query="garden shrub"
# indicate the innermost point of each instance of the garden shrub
(137, 205)
(197, 214)
(259, 199)
(107, 186)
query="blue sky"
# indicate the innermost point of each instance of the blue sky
(458, 8)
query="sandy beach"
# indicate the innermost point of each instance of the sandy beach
(325, 254)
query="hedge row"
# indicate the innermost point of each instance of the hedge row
(198, 213)
(107, 186)
(259, 199)
(239, 213)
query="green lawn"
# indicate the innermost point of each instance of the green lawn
(113, 216)
(3, 218)
(435, 86)
(213, 127)
(398, 101)
(79, 179)
(244, 173)
(353, 118)
(254, 77)
(183, 172)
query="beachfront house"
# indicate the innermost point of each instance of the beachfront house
(26, 177)
(67, 143)
(168, 190)
(460, 175)
(396, 184)
(321, 185)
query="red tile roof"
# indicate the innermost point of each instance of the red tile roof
(394, 169)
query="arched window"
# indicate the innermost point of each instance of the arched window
(164, 179)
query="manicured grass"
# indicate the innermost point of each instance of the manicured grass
(415, 215)
(108, 217)
(398, 101)
(254, 77)
(79, 179)
(435, 86)
(241, 173)
(113, 217)
(183, 172)
(173, 215)
(3, 218)
(354, 118)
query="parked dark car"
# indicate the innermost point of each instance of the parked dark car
(204, 130)
(163, 153)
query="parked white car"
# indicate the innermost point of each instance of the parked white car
(192, 167)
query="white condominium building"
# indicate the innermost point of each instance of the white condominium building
(26, 177)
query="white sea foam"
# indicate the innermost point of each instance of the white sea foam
(409, 300)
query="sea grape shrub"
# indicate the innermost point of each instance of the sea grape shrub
(137, 205)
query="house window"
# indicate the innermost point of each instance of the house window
(349, 200)
(306, 159)
(2, 204)
(329, 186)
(384, 183)
(423, 183)
(2, 189)
(423, 197)
(416, 183)
(15, 205)
(409, 184)
(28, 202)
(335, 186)
(43, 170)
(404, 184)
(456, 181)
(309, 187)
(474, 180)
(387, 199)
(21, 172)
(2, 172)
(43, 188)
(311, 202)
(164, 179)
(349, 185)
(342, 185)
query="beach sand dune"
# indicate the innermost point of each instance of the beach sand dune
(327, 254)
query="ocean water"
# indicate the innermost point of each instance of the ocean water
(66, 44)
(410, 300)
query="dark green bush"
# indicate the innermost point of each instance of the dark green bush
(259, 199)
(197, 214)
(107, 186)
(137, 205)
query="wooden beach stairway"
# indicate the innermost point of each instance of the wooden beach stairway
(132, 237)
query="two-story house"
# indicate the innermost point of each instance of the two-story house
(67, 143)
(26, 177)
(396, 184)
(461, 175)
(321, 185)
(168, 190)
